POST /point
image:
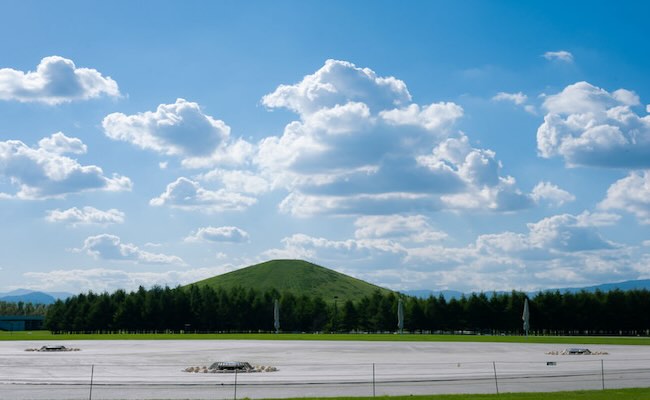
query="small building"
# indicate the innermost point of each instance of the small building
(21, 322)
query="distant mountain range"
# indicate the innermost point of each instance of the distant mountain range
(34, 297)
(605, 287)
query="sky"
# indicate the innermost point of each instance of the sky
(466, 145)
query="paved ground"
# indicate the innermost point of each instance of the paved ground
(154, 369)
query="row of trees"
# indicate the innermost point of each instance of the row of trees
(22, 308)
(238, 310)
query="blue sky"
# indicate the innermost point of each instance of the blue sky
(420, 145)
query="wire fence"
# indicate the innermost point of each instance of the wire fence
(166, 381)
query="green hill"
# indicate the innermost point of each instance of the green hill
(297, 277)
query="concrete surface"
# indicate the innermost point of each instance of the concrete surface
(154, 369)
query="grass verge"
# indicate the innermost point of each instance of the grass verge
(576, 340)
(612, 394)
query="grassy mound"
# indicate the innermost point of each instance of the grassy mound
(297, 277)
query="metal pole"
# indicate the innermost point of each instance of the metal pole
(373, 379)
(92, 375)
(235, 383)
(602, 372)
(496, 381)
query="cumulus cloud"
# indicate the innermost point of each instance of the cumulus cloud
(186, 194)
(560, 237)
(44, 172)
(568, 233)
(227, 234)
(180, 129)
(379, 239)
(61, 144)
(111, 247)
(337, 83)
(562, 55)
(556, 251)
(238, 181)
(56, 80)
(587, 125)
(304, 205)
(85, 216)
(303, 246)
(517, 98)
(484, 187)
(414, 228)
(109, 280)
(631, 194)
(362, 147)
(546, 191)
(432, 117)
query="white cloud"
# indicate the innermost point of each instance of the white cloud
(556, 251)
(432, 117)
(333, 251)
(546, 191)
(304, 205)
(59, 143)
(43, 172)
(568, 233)
(85, 216)
(517, 98)
(102, 279)
(56, 80)
(355, 151)
(337, 83)
(587, 125)
(580, 98)
(589, 219)
(414, 228)
(238, 181)
(631, 194)
(110, 247)
(480, 171)
(561, 55)
(230, 234)
(186, 194)
(179, 129)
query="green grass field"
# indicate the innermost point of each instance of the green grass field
(578, 340)
(616, 394)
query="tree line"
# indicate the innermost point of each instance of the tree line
(206, 309)
(22, 308)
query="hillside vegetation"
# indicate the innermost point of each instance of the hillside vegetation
(296, 277)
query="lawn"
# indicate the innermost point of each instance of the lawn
(578, 340)
(615, 394)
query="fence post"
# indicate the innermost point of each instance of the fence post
(496, 381)
(373, 379)
(92, 375)
(602, 372)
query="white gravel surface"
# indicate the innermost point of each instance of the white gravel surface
(155, 369)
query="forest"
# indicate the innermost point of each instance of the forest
(205, 309)
(22, 308)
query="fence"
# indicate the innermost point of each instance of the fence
(166, 381)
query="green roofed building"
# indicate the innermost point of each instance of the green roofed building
(21, 322)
